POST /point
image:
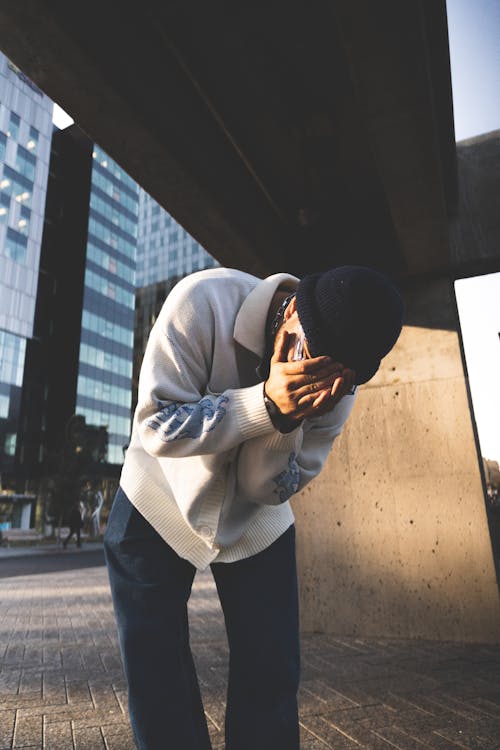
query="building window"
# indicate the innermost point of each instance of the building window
(14, 123)
(3, 143)
(9, 445)
(12, 353)
(23, 224)
(25, 163)
(4, 208)
(4, 406)
(15, 245)
(16, 185)
(33, 140)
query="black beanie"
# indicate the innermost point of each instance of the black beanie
(351, 313)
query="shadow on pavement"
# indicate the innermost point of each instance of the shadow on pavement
(52, 562)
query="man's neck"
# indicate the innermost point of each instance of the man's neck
(278, 298)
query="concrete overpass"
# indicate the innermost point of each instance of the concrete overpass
(298, 136)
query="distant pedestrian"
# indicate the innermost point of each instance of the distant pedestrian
(95, 518)
(75, 525)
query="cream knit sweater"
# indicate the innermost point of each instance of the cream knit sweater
(205, 465)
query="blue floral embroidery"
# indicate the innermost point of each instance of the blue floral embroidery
(175, 422)
(287, 482)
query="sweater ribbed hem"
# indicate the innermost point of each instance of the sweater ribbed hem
(271, 522)
(162, 512)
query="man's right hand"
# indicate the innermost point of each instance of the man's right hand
(307, 388)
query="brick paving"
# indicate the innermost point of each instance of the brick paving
(62, 687)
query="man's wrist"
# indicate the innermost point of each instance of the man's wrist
(281, 422)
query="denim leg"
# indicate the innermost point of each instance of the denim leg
(151, 585)
(260, 603)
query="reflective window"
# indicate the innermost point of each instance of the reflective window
(108, 289)
(15, 245)
(107, 163)
(106, 328)
(115, 425)
(14, 123)
(92, 388)
(9, 445)
(111, 238)
(25, 163)
(12, 353)
(105, 360)
(19, 187)
(4, 406)
(115, 453)
(110, 263)
(23, 223)
(4, 207)
(3, 143)
(123, 197)
(32, 143)
(113, 214)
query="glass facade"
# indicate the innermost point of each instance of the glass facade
(106, 345)
(25, 138)
(164, 249)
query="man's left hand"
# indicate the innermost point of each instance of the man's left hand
(322, 402)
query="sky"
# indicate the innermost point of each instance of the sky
(60, 118)
(479, 311)
(474, 32)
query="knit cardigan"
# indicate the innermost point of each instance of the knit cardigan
(205, 465)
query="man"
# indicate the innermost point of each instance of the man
(75, 525)
(245, 385)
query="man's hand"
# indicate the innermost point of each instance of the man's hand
(307, 388)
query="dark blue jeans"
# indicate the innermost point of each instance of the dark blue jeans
(151, 585)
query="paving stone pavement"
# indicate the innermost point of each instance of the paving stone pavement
(62, 686)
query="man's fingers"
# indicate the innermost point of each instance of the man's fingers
(307, 386)
(308, 400)
(337, 387)
(321, 399)
(281, 346)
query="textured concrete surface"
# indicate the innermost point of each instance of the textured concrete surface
(62, 687)
(393, 538)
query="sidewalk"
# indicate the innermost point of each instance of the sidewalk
(62, 687)
(28, 550)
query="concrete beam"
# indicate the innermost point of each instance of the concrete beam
(410, 130)
(475, 230)
(299, 137)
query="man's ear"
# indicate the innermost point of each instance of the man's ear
(290, 309)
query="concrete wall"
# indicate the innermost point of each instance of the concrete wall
(393, 537)
(475, 228)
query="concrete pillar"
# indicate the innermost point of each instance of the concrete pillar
(392, 536)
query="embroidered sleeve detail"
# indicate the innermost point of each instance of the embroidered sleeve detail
(179, 421)
(287, 482)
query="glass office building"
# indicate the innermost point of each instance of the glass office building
(103, 393)
(77, 381)
(25, 137)
(165, 254)
(164, 249)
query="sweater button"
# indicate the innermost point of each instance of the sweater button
(205, 532)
